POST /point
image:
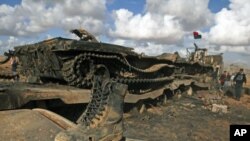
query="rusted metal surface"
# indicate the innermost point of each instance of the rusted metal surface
(200, 55)
(16, 95)
(169, 56)
(59, 120)
(71, 62)
(74, 62)
(130, 98)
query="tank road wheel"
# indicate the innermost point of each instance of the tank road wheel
(78, 71)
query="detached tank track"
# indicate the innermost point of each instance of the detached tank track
(72, 73)
(121, 60)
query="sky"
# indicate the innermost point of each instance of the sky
(149, 26)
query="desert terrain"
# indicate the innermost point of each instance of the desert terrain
(188, 118)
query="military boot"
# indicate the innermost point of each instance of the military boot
(103, 118)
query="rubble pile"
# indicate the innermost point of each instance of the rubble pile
(214, 102)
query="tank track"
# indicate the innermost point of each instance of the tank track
(121, 60)
(7, 76)
(73, 75)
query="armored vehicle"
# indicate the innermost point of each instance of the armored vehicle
(85, 64)
(74, 62)
(200, 55)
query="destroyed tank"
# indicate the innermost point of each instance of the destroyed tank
(74, 62)
(87, 63)
(200, 55)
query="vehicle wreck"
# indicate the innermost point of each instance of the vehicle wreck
(87, 71)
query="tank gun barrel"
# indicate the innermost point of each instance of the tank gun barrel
(84, 35)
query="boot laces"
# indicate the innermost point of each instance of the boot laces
(100, 93)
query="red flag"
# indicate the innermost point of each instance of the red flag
(196, 35)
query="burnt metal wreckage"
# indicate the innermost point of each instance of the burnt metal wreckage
(88, 64)
(101, 121)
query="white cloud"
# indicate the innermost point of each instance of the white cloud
(36, 16)
(192, 14)
(12, 41)
(9, 44)
(231, 32)
(148, 27)
(232, 26)
(164, 26)
(164, 21)
(149, 48)
(119, 42)
(238, 49)
(48, 36)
